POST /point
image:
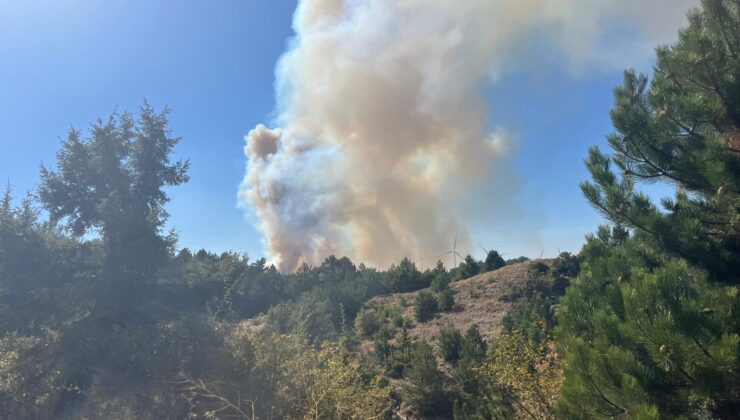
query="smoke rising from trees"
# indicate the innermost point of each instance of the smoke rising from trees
(383, 130)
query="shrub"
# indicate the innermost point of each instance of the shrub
(566, 265)
(445, 299)
(473, 349)
(469, 268)
(494, 261)
(425, 306)
(367, 322)
(381, 344)
(516, 260)
(440, 282)
(450, 342)
(537, 269)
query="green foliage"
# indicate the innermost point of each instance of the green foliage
(400, 354)
(476, 397)
(112, 183)
(367, 322)
(375, 316)
(650, 327)
(516, 260)
(283, 376)
(425, 306)
(472, 348)
(424, 386)
(535, 319)
(670, 334)
(537, 269)
(440, 282)
(450, 343)
(99, 317)
(492, 406)
(445, 299)
(680, 128)
(469, 268)
(494, 261)
(382, 345)
(528, 374)
(566, 265)
(405, 277)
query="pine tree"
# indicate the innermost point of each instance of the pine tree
(470, 267)
(494, 261)
(650, 327)
(473, 349)
(113, 184)
(425, 306)
(450, 341)
(424, 387)
(682, 128)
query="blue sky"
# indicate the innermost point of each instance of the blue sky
(213, 64)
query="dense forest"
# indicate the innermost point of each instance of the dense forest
(102, 316)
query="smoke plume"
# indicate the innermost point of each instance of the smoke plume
(383, 122)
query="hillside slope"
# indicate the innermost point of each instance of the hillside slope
(483, 299)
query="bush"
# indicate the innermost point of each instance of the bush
(469, 268)
(537, 269)
(494, 261)
(445, 299)
(566, 265)
(367, 322)
(425, 306)
(450, 342)
(440, 282)
(424, 387)
(516, 260)
(473, 349)
(381, 344)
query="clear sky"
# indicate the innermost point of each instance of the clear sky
(66, 63)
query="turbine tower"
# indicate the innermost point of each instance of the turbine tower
(454, 253)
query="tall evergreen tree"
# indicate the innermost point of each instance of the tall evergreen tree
(650, 327)
(112, 183)
(682, 128)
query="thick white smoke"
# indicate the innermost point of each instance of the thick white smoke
(383, 125)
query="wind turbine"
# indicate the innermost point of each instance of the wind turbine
(454, 253)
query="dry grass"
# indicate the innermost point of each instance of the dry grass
(484, 300)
